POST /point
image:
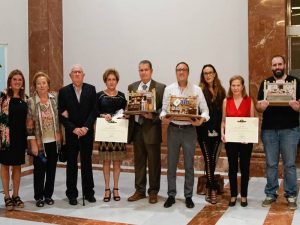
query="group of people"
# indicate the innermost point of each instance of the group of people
(46, 120)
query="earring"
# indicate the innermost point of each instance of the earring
(22, 87)
(9, 87)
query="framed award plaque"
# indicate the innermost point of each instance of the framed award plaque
(183, 108)
(279, 93)
(140, 102)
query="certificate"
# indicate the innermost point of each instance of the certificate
(241, 129)
(112, 131)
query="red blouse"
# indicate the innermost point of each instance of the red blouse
(243, 110)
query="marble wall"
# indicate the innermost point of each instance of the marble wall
(45, 40)
(267, 37)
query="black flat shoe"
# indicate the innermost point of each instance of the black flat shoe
(40, 203)
(49, 201)
(232, 203)
(73, 201)
(169, 202)
(91, 199)
(189, 203)
(107, 199)
(116, 197)
(244, 203)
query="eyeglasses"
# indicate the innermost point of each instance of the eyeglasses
(209, 73)
(182, 70)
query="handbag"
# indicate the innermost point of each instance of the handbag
(202, 180)
(62, 153)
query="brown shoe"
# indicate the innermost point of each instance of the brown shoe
(152, 198)
(136, 196)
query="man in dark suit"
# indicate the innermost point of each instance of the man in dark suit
(145, 132)
(76, 104)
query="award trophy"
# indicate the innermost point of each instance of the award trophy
(183, 108)
(140, 102)
(279, 93)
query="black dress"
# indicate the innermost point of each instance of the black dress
(110, 105)
(17, 132)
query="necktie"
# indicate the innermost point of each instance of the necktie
(141, 118)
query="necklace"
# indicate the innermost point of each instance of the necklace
(111, 93)
(44, 106)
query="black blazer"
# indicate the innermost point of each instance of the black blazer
(80, 114)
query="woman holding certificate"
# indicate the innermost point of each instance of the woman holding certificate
(209, 133)
(237, 104)
(110, 101)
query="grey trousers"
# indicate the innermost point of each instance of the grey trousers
(178, 138)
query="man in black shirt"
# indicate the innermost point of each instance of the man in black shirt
(280, 136)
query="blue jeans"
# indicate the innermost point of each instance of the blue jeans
(281, 142)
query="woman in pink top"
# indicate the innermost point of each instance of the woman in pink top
(237, 104)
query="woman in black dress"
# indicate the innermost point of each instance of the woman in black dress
(108, 103)
(13, 112)
(209, 134)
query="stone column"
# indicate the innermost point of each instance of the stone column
(46, 40)
(267, 37)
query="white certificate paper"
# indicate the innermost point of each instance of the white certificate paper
(114, 131)
(241, 129)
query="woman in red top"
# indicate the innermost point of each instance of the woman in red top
(237, 104)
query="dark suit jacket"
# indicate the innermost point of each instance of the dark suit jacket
(151, 129)
(80, 114)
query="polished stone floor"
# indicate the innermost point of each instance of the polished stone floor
(141, 212)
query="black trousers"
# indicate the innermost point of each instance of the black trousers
(238, 152)
(42, 188)
(84, 147)
(209, 148)
(146, 154)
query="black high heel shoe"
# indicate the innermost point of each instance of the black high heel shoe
(232, 202)
(116, 197)
(107, 199)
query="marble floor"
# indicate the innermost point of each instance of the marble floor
(141, 212)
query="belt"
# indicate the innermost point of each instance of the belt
(181, 126)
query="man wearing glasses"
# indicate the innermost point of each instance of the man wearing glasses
(182, 134)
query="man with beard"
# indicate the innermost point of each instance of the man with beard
(280, 136)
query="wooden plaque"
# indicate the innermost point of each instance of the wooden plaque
(140, 102)
(183, 108)
(279, 94)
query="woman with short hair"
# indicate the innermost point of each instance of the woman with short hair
(45, 138)
(109, 101)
